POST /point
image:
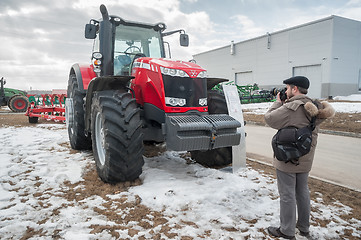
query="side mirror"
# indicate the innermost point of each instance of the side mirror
(184, 40)
(90, 31)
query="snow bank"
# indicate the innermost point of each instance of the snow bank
(353, 97)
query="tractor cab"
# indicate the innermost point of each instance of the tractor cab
(128, 40)
(132, 42)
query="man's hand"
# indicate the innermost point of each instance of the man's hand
(278, 99)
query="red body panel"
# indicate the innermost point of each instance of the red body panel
(87, 74)
(148, 84)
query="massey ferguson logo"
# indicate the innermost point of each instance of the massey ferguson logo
(194, 73)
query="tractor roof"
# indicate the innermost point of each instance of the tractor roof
(118, 20)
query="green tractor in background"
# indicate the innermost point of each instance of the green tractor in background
(15, 99)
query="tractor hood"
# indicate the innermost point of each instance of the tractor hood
(15, 91)
(168, 63)
(154, 64)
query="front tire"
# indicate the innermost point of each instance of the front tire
(74, 114)
(117, 136)
(218, 157)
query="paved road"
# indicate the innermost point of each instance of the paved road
(337, 158)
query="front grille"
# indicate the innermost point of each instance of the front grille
(191, 89)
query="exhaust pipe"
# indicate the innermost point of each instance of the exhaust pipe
(105, 37)
(104, 12)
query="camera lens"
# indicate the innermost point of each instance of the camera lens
(274, 91)
(282, 91)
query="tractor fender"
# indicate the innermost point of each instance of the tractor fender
(101, 84)
(75, 69)
(211, 82)
(84, 74)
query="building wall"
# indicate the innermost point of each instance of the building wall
(345, 61)
(308, 50)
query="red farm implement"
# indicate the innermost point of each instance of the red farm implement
(47, 106)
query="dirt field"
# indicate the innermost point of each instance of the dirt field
(330, 193)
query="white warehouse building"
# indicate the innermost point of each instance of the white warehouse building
(327, 51)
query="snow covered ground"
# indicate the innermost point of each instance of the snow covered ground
(37, 167)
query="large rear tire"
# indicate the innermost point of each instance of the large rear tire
(18, 103)
(117, 136)
(74, 114)
(218, 157)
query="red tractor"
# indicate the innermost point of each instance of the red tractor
(131, 93)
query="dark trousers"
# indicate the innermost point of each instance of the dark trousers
(294, 197)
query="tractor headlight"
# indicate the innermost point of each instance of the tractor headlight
(202, 101)
(173, 72)
(97, 55)
(97, 62)
(202, 74)
(175, 101)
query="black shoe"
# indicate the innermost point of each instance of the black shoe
(302, 233)
(276, 232)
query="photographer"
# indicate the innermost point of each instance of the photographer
(294, 108)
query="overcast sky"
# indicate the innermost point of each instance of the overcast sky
(40, 39)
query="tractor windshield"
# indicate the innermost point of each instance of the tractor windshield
(131, 42)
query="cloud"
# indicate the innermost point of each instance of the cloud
(199, 27)
(247, 27)
(41, 39)
(38, 41)
(353, 3)
(352, 10)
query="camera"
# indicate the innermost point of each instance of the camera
(282, 91)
